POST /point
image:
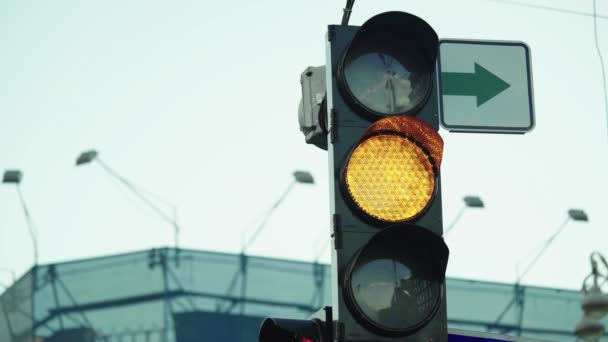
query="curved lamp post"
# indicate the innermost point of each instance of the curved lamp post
(469, 202)
(573, 215)
(93, 156)
(302, 177)
(518, 292)
(15, 177)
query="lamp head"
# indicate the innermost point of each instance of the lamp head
(303, 177)
(578, 215)
(473, 202)
(86, 157)
(12, 176)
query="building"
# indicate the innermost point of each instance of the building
(167, 295)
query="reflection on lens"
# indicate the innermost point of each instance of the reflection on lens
(396, 281)
(386, 85)
(389, 65)
(389, 294)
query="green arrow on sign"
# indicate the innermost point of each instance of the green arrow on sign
(482, 84)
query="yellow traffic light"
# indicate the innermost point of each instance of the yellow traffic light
(391, 173)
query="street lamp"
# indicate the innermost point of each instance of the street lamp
(578, 215)
(595, 302)
(573, 215)
(302, 177)
(518, 296)
(15, 177)
(90, 156)
(469, 202)
(87, 157)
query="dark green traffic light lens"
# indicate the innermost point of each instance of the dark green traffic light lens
(395, 284)
(388, 82)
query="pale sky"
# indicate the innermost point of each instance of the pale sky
(197, 102)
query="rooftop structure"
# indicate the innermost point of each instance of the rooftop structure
(167, 295)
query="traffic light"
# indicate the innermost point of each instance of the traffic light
(389, 259)
(316, 329)
(374, 107)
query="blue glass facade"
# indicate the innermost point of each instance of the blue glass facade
(169, 295)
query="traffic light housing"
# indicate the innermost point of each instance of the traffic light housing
(318, 328)
(375, 110)
(389, 260)
(290, 330)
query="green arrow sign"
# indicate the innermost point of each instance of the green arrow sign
(473, 72)
(482, 84)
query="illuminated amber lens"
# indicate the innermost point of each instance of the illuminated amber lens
(390, 177)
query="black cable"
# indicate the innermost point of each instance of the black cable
(347, 11)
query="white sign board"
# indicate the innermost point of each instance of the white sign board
(485, 86)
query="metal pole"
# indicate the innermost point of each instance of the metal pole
(262, 224)
(256, 233)
(542, 251)
(34, 284)
(138, 192)
(163, 258)
(518, 290)
(243, 282)
(458, 216)
(521, 300)
(175, 229)
(30, 224)
(52, 274)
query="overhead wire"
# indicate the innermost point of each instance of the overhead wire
(548, 8)
(595, 17)
(601, 58)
